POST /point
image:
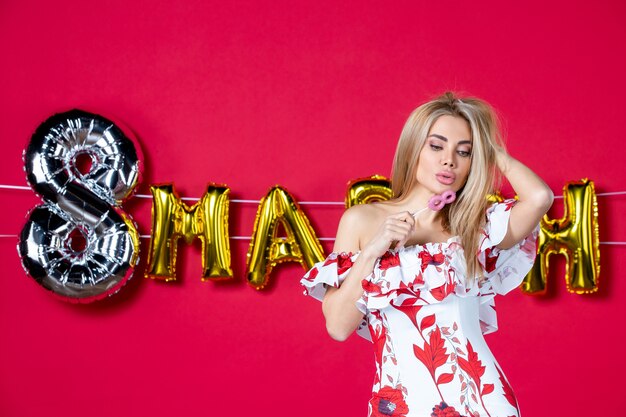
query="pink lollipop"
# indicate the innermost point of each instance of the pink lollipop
(437, 202)
(448, 196)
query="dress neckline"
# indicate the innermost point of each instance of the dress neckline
(415, 247)
(447, 242)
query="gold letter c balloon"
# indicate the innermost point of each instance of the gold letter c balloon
(367, 190)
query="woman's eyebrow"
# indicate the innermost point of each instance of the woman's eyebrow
(445, 139)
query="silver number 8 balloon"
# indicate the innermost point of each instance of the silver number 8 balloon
(79, 243)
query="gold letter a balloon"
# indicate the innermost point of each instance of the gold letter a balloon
(278, 208)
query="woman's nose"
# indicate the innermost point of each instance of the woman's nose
(448, 160)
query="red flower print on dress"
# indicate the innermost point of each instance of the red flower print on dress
(443, 291)
(371, 288)
(412, 289)
(427, 322)
(343, 258)
(473, 366)
(312, 274)
(508, 204)
(428, 259)
(419, 280)
(389, 402)
(490, 260)
(529, 247)
(410, 310)
(433, 355)
(389, 260)
(508, 391)
(444, 410)
(344, 262)
(475, 369)
(379, 338)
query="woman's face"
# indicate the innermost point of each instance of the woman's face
(444, 161)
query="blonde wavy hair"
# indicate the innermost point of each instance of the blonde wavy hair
(466, 216)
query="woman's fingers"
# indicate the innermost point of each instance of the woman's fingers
(403, 219)
(404, 216)
(394, 232)
(398, 228)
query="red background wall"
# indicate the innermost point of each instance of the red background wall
(307, 96)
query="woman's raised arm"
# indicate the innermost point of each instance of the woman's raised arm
(534, 198)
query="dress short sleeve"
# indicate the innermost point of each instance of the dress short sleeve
(331, 272)
(504, 269)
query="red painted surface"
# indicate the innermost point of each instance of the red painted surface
(308, 97)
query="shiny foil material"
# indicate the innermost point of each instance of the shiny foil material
(206, 220)
(81, 202)
(267, 249)
(367, 190)
(575, 236)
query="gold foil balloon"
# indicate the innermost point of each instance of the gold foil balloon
(367, 190)
(278, 208)
(575, 236)
(207, 220)
(496, 198)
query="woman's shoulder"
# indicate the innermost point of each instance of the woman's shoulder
(357, 225)
(368, 212)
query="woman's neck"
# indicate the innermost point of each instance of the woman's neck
(416, 200)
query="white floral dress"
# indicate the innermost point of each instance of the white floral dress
(427, 326)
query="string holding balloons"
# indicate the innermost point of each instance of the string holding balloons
(79, 244)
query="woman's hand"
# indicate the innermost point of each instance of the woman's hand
(503, 159)
(396, 229)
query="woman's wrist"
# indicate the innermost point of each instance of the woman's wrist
(368, 253)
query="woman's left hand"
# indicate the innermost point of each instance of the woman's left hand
(502, 159)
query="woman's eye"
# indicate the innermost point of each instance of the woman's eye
(464, 154)
(435, 147)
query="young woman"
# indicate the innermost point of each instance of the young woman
(420, 282)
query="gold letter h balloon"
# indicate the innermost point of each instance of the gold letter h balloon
(575, 236)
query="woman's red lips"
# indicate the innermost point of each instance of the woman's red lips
(446, 178)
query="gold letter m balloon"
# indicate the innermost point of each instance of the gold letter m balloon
(172, 219)
(576, 237)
